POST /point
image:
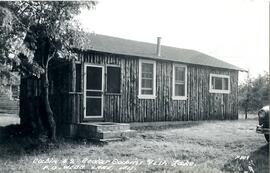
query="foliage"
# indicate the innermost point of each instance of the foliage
(254, 93)
(21, 24)
(7, 79)
(32, 33)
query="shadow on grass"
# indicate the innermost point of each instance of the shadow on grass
(256, 162)
(162, 126)
(14, 142)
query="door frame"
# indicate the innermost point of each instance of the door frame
(84, 92)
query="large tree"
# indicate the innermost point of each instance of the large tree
(34, 32)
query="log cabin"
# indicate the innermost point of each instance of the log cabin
(124, 81)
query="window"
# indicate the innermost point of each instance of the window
(147, 79)
(219, 83)
(179, 82)
(113, 79)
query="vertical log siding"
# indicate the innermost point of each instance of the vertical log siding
(200, 105)
(67, 99)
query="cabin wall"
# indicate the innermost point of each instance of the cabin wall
(200, 105)
(65, 102)
(66, 94)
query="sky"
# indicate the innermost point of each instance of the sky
(236, 31)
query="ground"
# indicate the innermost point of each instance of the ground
(209, 146)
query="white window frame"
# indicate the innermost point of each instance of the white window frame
(174, 97)
(147, 96)
(211, 90)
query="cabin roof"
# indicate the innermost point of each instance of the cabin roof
(114, 45)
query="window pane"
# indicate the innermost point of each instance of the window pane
(94, 78)
(147, 68)
(147, 75)
(179, 90)
(146, 83)
(225, 83)
(217, 83)
(179, 74)
(147, 92)
(113, 79)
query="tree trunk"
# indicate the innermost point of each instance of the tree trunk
(248, 96)
(47, 108)
(246, 113)
(41, 111)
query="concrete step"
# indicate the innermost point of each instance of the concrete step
(105, 131)
(105, 126)
(107, 140)
(115, 134)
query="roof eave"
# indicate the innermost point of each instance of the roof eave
(161, 58)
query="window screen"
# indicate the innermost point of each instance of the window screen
(113, 79)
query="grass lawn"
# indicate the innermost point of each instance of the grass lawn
(214, 146)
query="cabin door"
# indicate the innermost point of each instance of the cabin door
(93, 91)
